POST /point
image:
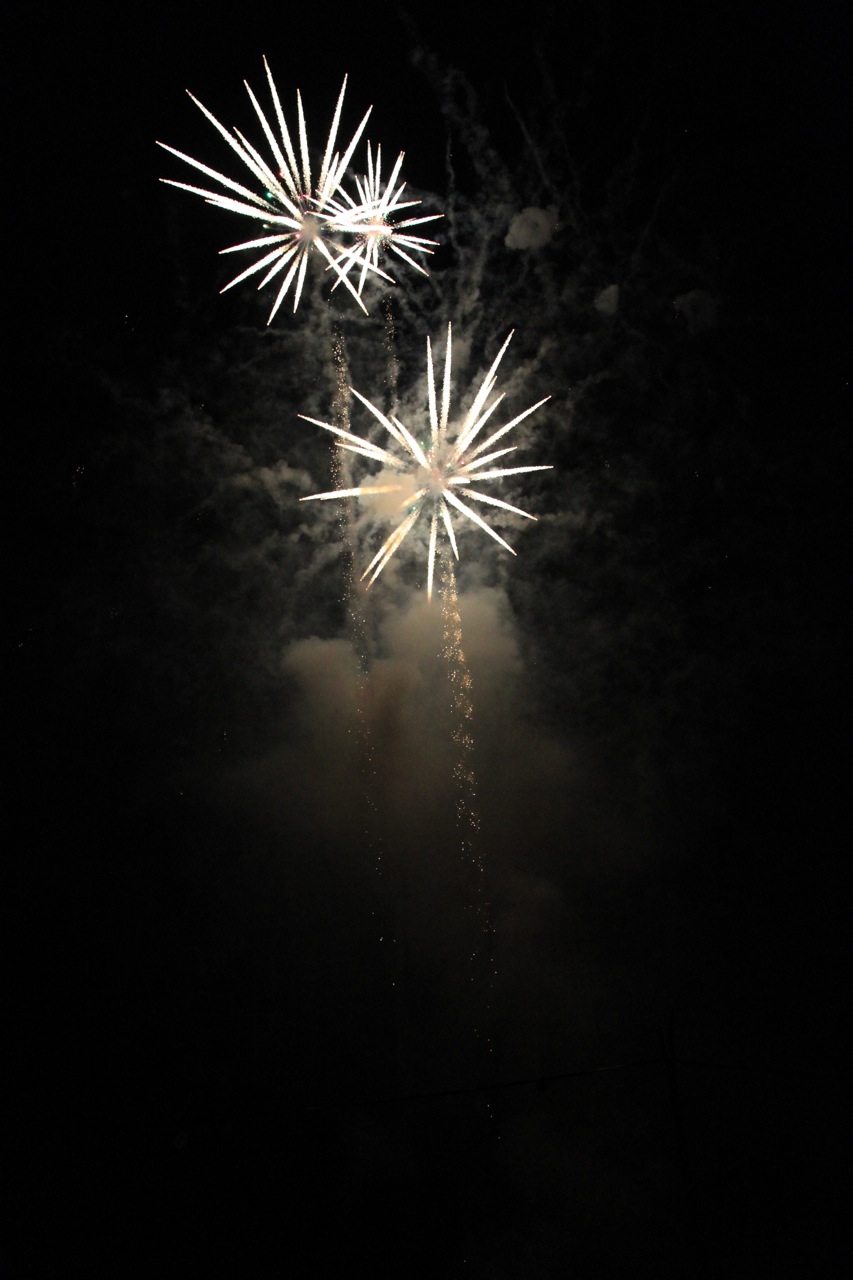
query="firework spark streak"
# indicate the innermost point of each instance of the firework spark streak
(302, 217)
(431, 475)
(462, 711)
(467, 808)
(360, 626)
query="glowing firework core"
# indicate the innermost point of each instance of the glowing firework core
(310, 228)
(437, 469)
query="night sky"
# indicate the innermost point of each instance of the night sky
(267, 1016)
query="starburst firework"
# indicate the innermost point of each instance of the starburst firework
(302, 217)
(430, 475)
(370, 220)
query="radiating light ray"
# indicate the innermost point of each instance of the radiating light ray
(388, 423)
(496, 435)
(497, 502)
(437, 469)
(358, 492)
(319, 220)
(388, 548)
(499, 453)
(445, 514)
(482, 395)
(495, 472)
(472, 515)
(431, 556)
(358, 445)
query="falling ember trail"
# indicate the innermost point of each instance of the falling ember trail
(467, 810)
(357, 606)
(391, 348)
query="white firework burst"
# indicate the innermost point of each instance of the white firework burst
(293, 208)
(431, 473)
(370, 221)
(302, 217)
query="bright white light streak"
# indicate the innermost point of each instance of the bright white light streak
(431, 557)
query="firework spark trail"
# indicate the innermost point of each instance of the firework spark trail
(391, 348)
(358, 611)
(467, 809)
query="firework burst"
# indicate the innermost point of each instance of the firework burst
(302, 217)
(370, 221)
(430, 474)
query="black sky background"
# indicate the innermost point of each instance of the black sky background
(217, 1068)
